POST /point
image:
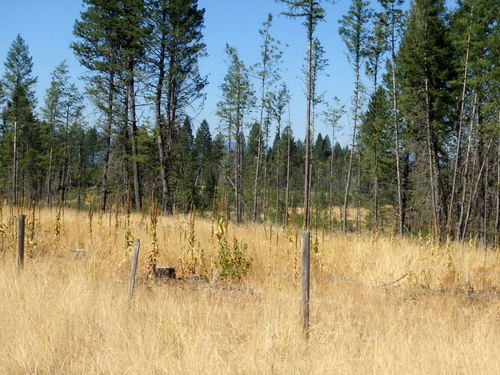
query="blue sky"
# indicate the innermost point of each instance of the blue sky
(47, 28)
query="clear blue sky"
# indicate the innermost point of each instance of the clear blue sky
(47, 28)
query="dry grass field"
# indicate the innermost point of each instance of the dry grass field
(67, 315)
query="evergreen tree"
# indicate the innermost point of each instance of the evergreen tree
(237, 101)
(313, 13)
(425, 74)
(268, 74)
(62, 113)
(394, 18)
(20, 135)
(354, 33)
(97, 48)
(175, 48)
(206, 167)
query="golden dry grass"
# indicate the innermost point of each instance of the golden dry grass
(62, 315)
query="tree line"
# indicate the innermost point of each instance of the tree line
(425, 148)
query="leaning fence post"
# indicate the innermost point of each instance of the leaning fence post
(20, 241)
(305, 282)
(133, 269)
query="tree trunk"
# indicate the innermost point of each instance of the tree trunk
(351, 153)
(465, 173)
(307, 169)
(278, 174)
(449, 222)
(132, 120)
(259, 140)
(434, 173)
(107, 141)
(160, 124)
(287, 179)
(497, 209)
(14, 167)
(474, 192)
(376, 198)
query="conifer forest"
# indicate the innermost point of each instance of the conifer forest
(423, 157)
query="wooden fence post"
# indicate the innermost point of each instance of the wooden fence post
(20, 241)
(306, 262)
(133, 269)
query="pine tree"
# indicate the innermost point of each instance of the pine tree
(268, 75)
(394, 18)
(206, 178)
(21, 131)
(425, 70)
(237, 100)
(175, 48)
(312, 12)
(332, 115)
(355, 36)
(62, 113)
(97, 48)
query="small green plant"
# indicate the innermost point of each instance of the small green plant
(193, 260)
(233, 262)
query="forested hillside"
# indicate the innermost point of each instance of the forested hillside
(424, 157)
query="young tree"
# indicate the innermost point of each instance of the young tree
(268, 74)
(280, 101)
(237, 101)
(133, 35)
(394, 19)
(62, 112)
(332, 115)
(354, 33)
(206, 178)
(312, 12)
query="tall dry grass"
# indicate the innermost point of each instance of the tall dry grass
(66, 315)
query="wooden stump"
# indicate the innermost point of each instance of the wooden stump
(165, 273)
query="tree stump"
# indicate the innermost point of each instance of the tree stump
(165, 273)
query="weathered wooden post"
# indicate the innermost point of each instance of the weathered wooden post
(20, 241)
(306, 263)
(135, 258)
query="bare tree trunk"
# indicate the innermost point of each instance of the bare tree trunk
(287, 179)
(257, 172)
(330, 187)
(49, 177)
(465, 173)
(79, 191)
(259, 135)
(435, 214)
(401, 213)
(14, 167)
(449, 223)
(160, 123)
(474, 192)
(434, 174)
(107, 137)
(307, 169)
(351, 153)
(376, 198)
(278, 174)
(238, 164)
(133, 135)
(497, 209)
(485, 202)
